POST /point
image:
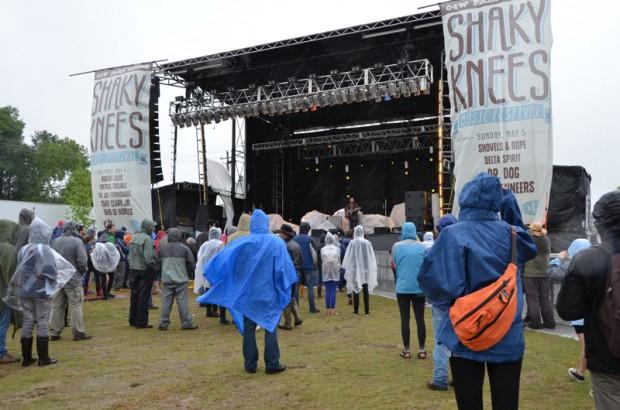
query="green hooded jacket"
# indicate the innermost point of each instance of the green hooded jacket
(8, 255)
(141, 248)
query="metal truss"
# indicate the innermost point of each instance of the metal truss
(200, 63)
(378, 83)
(363, 148)
(423, 137)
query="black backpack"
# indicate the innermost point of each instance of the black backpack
(609, 311)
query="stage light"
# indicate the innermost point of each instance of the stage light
(391, 162)
(324, 100)
(225, 115)
(298, 106)
(231, 111)
(181, 120)
(188, 120)
(173, 120)
(344, 96)
(256, 110)
(387, 98)
(394, 92)
(362, 94)
(433, 190)
(361, 165)
(353, 94)
(271, 108)
(289, 106)
(307, 168)
(413, 87)
(332, 99)
(315, 102)
(406, 172)
(217, 116)
(316, 160)
(404, 90)
(306, 103)
(210, 116)
(281, 107)
(203, 118)
(316, 169)
(346, 168)
(348, 177)
(338, 98)
(406, 164)
(425, 86)
(431, 150)
(263, 108)
(374, 93)
(330, 166)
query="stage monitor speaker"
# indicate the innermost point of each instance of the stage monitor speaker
(317, 233)
(202, 218)
(381, 230)
(417, 208)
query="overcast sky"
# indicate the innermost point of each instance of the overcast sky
(42, 42)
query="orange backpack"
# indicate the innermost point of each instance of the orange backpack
(482, 318)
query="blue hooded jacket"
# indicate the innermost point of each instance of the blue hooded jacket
(408, 255)
(252, 276)
(471, 254)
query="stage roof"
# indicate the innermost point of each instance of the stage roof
(384, 42)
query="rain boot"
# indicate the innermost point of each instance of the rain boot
(27, 358)
(43, 351)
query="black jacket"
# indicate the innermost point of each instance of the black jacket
(580, 297)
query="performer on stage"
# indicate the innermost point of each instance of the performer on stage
(351, 212)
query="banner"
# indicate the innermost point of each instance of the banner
(497, 60)
(119, 146)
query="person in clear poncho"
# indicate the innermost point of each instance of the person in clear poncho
(40, 273)
(207, 251)
(360, 267)
(330, 261)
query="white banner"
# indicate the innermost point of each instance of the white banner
(498, 58)
(119, 146)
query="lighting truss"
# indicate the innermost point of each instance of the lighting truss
(377, 83)
(359, 143)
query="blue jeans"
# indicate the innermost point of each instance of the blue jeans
(441, 353)
(5, 321)
(312, 278)
(250, 351)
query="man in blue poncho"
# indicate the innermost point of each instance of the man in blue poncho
(253, 277)
(467, 256)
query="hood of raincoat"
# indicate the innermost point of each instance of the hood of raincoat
(578, 245)
(8, 231)
(230, 230)
(69, 228)
(446, 221)
(40, 232)
(147, 226)
(428, 237)
(484, 192)
(606, 215)
(330, 239)
(26, 216)
(244, 223)
(259, 222)
(358, 232)
(174, 235)
(252, 277)
(409, 231)
(215, 233)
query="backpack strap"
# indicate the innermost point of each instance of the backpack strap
(513, 236)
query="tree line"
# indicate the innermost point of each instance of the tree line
(49, 168)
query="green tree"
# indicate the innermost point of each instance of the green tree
(78, 196)
(17, 161)
(56, 159)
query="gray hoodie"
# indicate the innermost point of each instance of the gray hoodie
(176, 259)
(73, 250)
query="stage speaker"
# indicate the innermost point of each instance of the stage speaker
(381, 230)
(317, 233)
(202, 218)
(417, 208)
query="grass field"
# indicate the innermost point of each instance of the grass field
(334, 363)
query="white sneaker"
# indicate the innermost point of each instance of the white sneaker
(572, 372)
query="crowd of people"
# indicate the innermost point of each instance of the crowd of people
(256, 275)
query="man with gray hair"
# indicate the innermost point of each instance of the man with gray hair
(72, 249)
